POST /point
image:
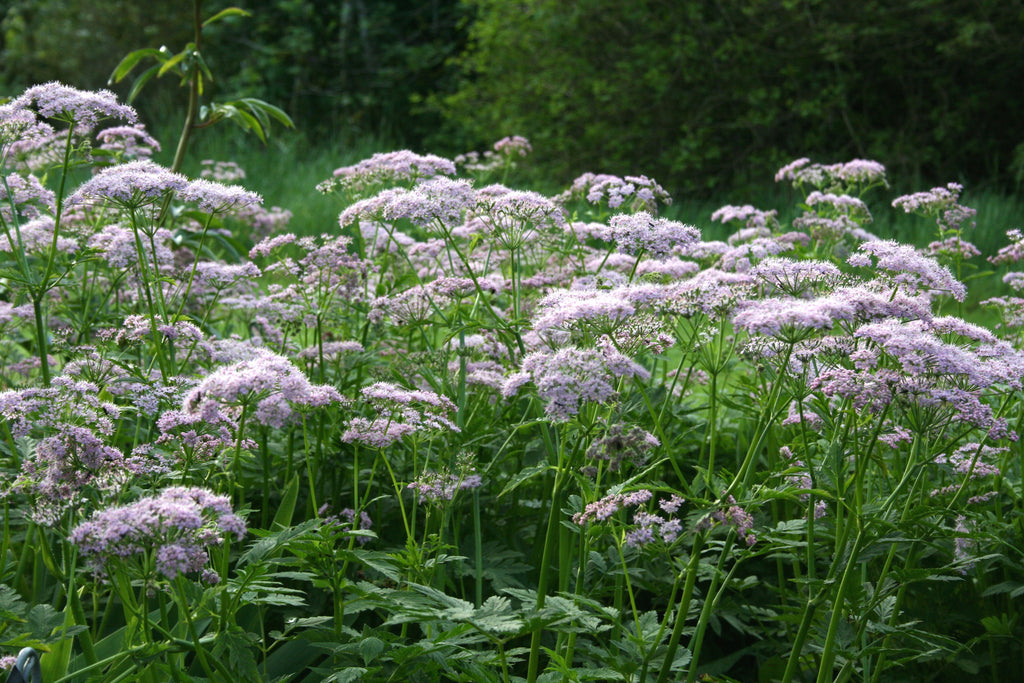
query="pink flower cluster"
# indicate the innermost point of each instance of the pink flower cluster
(175, 527)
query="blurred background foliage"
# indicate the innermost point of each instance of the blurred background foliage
(707, 96)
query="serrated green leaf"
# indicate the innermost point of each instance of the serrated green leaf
(273, 542)
(42, 620)
(12, 607)
(370, 648)
(237, 646)
(346, 675)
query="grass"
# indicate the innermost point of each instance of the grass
(286, 170)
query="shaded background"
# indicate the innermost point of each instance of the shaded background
(705, 96)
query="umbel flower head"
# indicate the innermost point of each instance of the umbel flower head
(131, 185)
(169, 532)
(641, 232)
(81, 108)
(569, 376)
(399, 412)
(268, 381)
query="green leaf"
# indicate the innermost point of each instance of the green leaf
(267, 109)
(346, 675)
(141, 81)
(176, 59)
(522, 476)
(229, 12)
(286, 508)
(237, 645)
(42, 620)
(130, 61)
(12, 607)
(370, 648)
(269, 544)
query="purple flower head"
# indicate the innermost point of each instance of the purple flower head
(399, 412)
(747, 215)
(438, 201)
(117, 246)
(792, 320)
(833, 205)
(222, 171)
(604, 508)
(953, 247)
(515, 145)
(81, 108)
(972, 461)
(390, 168)
(443, 486)
(920, 352)
(569, 376)
(642, 233)
(175, 528)
(597, 310)
(735, 516)
(213, 197)
(621, 443)
(1013, 252)
(36, 237)
(908, 269)
(930, 203)
(26, 195)
(635, 193)
(128, 142)
(515, 217)
(941, 203)
(131, 185)
(271, 384)
(742, 257)
(852, 176)
(796, 278)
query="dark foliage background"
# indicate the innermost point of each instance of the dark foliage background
(703, 95)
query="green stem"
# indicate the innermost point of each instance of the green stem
(683, 610)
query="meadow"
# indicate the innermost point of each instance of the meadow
(399, 417)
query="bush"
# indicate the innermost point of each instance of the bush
(707, 94)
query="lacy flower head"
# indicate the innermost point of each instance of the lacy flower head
(635, 193)
(646, 527)
(399, 412)
(82, 109)
(566, 378)
(269, 387)
(438, 487)
(642, 233)
(941, 203)
(908, 269)
(126, 143)
(852, 177)
(515, 217)
(222, 171)
(401, 168)
(168, 534)
(214, 197)
(130, 186)
(734, 516)
(440, 201)
(748, 216)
